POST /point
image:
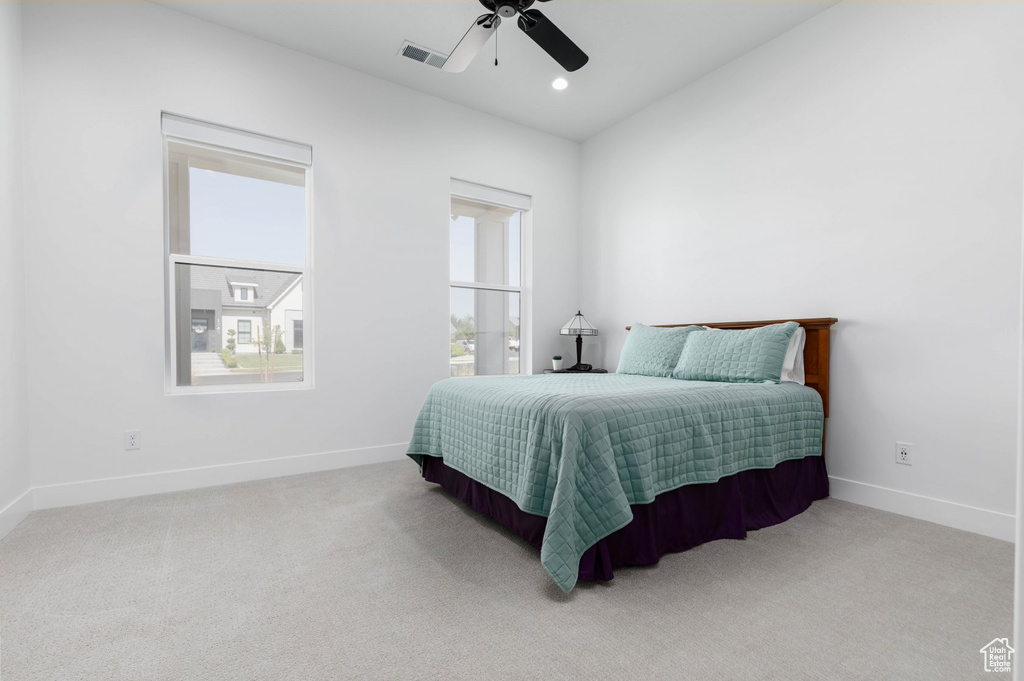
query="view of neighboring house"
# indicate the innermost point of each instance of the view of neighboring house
(243, 301)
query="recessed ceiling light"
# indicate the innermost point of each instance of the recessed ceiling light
(559, 83)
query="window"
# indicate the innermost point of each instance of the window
(244, 291)
(237, 241)
(297, 334)
(486, 272)
(244, 332)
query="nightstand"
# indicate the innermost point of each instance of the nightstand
(566, 371)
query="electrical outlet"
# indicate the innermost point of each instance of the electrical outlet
(132, 439)
(904, 453)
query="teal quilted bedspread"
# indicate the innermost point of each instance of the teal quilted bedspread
(580, 449)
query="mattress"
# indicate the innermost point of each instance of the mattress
(579, 450)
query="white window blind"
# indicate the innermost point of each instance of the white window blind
(491, 195)
(192, 130)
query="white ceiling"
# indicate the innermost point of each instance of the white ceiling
(640, 50)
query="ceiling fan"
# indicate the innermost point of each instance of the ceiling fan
(531, 22)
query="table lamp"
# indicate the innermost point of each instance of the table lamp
(578, 326)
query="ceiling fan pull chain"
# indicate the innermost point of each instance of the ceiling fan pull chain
(495, 48)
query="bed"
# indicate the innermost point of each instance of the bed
(604, 471)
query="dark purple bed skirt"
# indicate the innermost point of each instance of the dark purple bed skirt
(675, 521)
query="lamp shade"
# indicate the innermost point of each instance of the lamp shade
(578, 326)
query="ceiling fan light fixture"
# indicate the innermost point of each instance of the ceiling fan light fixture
(532, 22)
(559, 83)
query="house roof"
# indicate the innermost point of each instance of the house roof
(268, 284)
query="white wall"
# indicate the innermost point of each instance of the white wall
(866, 165)
(14, 442)
(97, 77)
(877, 148)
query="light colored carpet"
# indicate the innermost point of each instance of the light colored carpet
(372, 573)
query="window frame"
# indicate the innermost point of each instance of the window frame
(248, 332)
(171, 259)
(502, 198)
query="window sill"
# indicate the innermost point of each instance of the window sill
(175, 391)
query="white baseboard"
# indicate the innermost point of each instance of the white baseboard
(969, 518)
(15, 512)
(962, 517)
(88, 491)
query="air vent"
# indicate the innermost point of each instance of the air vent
(423, 54)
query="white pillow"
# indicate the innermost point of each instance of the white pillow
(793, 366)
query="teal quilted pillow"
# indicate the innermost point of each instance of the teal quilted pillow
(653, 352)
(748, 356)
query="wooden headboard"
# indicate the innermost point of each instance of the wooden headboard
(815, 350)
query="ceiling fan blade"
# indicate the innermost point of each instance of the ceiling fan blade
(471, 43)
(552, 40)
